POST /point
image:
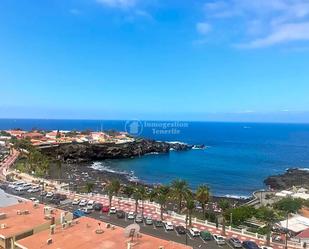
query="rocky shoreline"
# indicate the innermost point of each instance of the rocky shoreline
(292, 177)
(86, 152)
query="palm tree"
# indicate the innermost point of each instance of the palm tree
(179, 189)
(136, 196)
(269, 217)
(89, 186)
(140, 193)
(161, 196)
(112, 189)
(143, 196)
(224, 205)
(190, 205)
(202, 195)
(128, 190)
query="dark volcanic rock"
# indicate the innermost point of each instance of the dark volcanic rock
(292, 177)
(82, 152)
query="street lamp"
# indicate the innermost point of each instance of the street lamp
(186, 229)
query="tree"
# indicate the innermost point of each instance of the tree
(224, 205)
(112, 189)
(128, 190)
(190, 205)
(161, 196)
(89, 187)
(269, 217)
(202, 195)
(140, 193)
(179, 189)
(289, 205)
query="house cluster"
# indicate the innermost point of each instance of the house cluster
(30, 225)
(41, 138)
(296, 224)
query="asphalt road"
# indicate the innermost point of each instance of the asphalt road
(160, 232)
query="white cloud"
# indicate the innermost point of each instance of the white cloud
(123, 4)
(284, 33)
(203, 28)
(262, 22)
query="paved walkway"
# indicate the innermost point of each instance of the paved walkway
(7, 163)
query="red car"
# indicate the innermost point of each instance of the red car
(105, 209)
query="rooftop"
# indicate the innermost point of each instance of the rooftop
(84, 235)
(15, 220)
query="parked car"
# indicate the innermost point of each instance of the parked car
(120, 214)
(19, 191)
(32, 199)
(266, 247)
(194, 232)
(219, 239)
(180, 229)
(205, 235)
(158, 223)
(86, 210)
(131, 216)
(55, 200)
(34, 189)
(148, 220)
(105, 209)
(49, 195)
(63, 197)
(138, 218)
(247, 244)
(78, 213)
(97, 206)
(76, 201)
(83, 203)
(27, 186)
(236, 243)
(90, 204)
(112, 210)
(168, 226)
(43, 193)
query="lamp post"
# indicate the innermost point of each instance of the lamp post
(186, 229)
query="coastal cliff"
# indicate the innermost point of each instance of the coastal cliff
(292, 177)
(83, 152)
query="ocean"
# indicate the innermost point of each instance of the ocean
(236, 160)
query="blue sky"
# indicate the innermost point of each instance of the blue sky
(235, 60)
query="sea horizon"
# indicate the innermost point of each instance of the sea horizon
(234, 153)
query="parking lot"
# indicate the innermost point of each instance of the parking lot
(160, 232)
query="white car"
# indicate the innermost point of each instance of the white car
(168, 226)
(266, 247)
(83, 203)
(34, 189)
(15, 185)
(49, 195)
(113, 210)
(131, 216)
(76, 201)
(90, 204)
(219, 239)
(27, 186)
(32, 199)
(194, 232)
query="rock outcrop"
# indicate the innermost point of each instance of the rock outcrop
(83, 152)
(292, 177)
